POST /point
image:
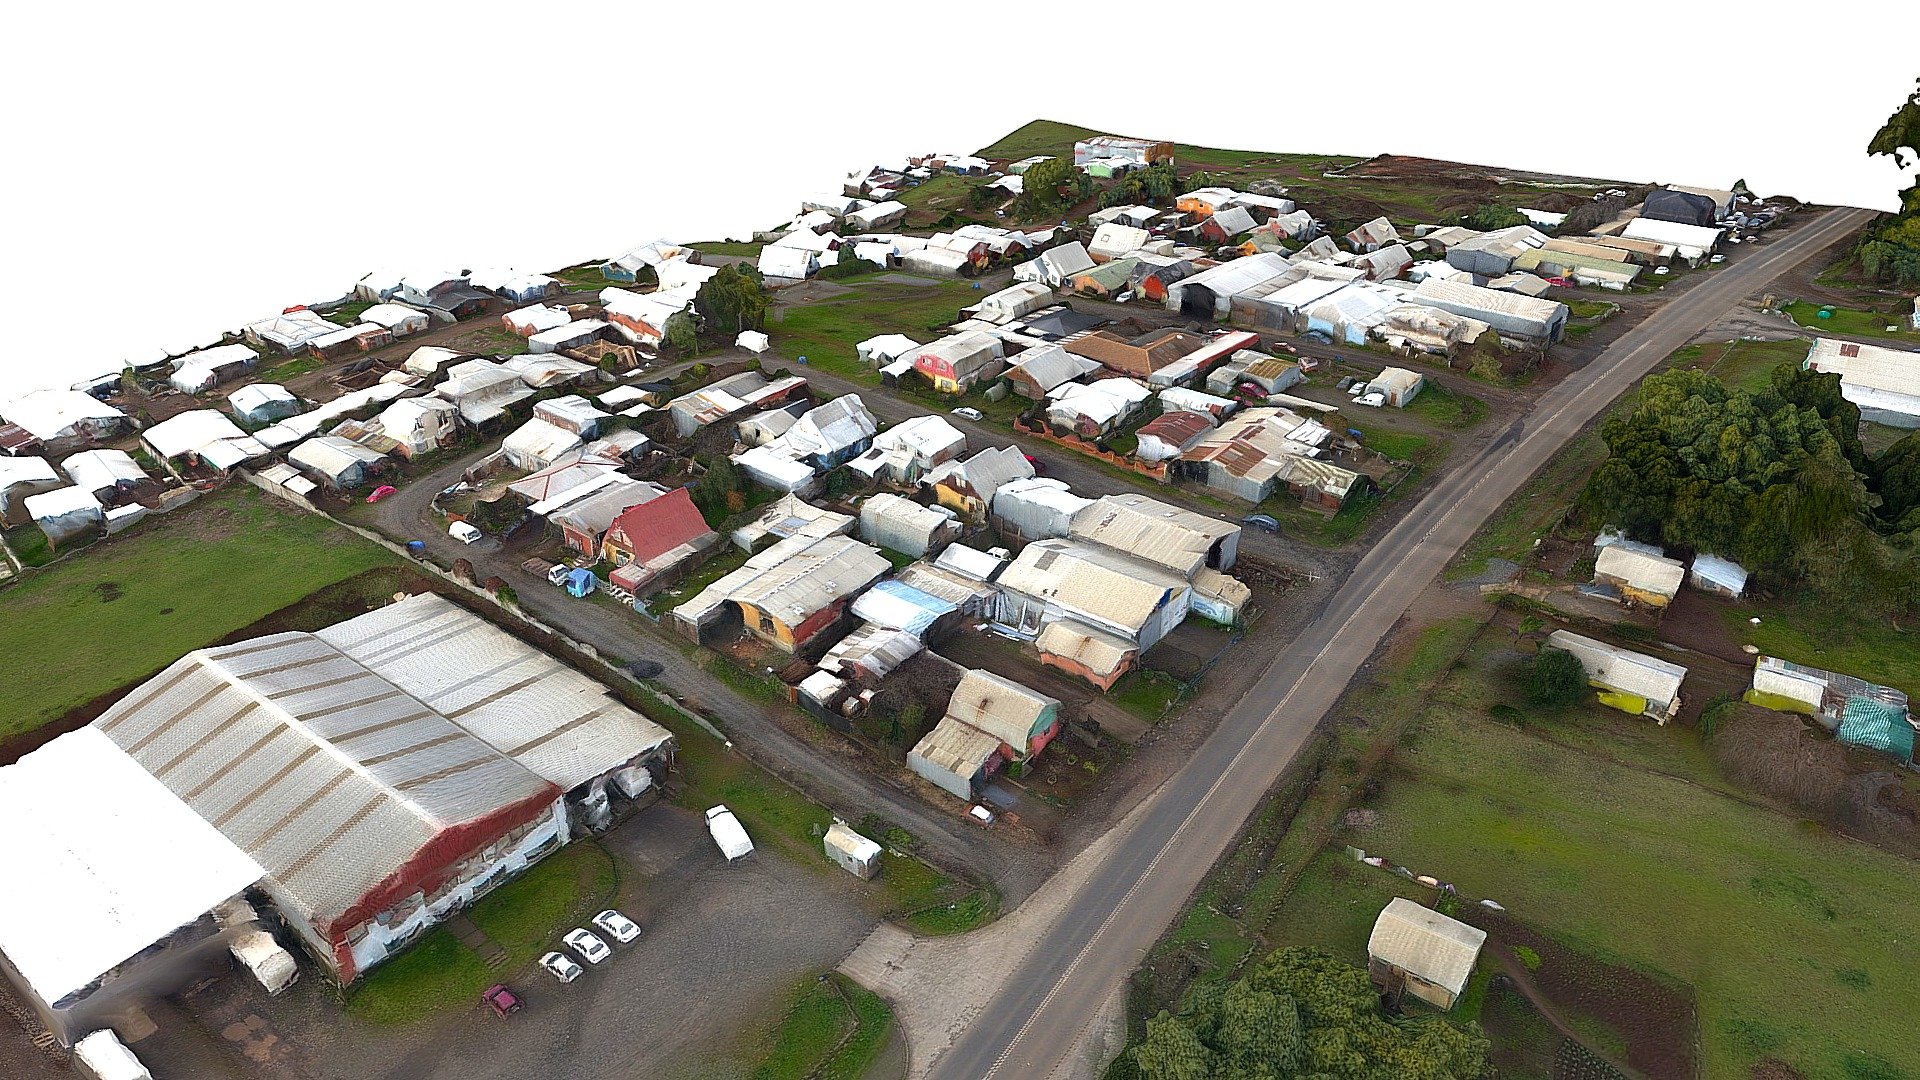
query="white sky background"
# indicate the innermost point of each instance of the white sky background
(176, 170)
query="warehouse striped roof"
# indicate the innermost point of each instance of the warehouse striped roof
(330, 776)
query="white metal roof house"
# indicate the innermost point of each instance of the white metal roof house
(968, 486)
(790, 263)
(1014, 301)
(48, 415)
(202, 370)
(1428, 953)
(572, 412)
(536, 444)
(205, 434)
(990, 721)
(263, 403)
(571, 335)
(1885, 383)
(1055, 266)
(334, 461)
(1035, 508)
(1713, 574)
(1691, 243)
(1643, 576)
(290, 332)
(101, 472)
(902, 525)
(1114, 592)
(1114, 240)
(416, 425)
(1527, 318)
(399, 319)
(1633, 678)
(534, 318)
(1398, 385)
(65, 513)
(1169, 536)
(787, 594)
(24, 476)
(482, 390)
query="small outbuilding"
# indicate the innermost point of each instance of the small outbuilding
(1721, 577)
(852, 852)
(1427, 954)
(1629, 681)
(1641, 573)
(334, 461)
(262, 403)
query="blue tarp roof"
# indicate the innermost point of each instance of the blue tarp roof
(899, 606)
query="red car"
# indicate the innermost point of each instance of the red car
(381, 492)
(503, 1001)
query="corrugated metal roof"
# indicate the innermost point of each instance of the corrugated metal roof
(1147, 529)
(1000, 707)
(1092, 580)
(1099, 652)
(329, 775)
(560, 724)
(873, 648)
(957, 748)
(1425, 943)
(1621, 669)
(1654, 573)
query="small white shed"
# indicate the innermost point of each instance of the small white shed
(1428, 953)
(854, 853)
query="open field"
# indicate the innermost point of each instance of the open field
(1785, 933)
(826, 331)
(1833, 639)
(133, 604)
(1854, 321)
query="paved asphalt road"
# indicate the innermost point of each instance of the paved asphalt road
(1034, 1025)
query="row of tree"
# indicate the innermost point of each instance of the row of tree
(1776, 480)
(1303, 1015)
(1889, 250)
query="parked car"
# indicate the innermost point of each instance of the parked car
(381, 492)
(1262, 522)
(981, 814)
(966, 412)
(464, 532)
(728, 833)
(617, 926)
(501, 1000)
(590, 948)
(561, 967)
(557, 573)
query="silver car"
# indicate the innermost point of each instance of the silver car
(590, 948)
(561, 966)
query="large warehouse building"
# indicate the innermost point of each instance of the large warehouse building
(368, 780)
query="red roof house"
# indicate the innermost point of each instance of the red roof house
(657, 541)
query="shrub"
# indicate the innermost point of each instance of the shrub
(1555, 679)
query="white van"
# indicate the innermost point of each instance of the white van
(463, 532)
(728, 833)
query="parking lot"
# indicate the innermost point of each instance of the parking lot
(722, 950)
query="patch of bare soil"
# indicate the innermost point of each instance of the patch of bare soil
(1656, 1021)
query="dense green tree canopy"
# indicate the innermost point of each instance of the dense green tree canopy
(1555, 678)
(733, 300)
(1768, 479)
(1890, 249)
(1303, 1015)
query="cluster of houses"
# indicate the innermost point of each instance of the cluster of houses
(1643, 576)
(854, 587)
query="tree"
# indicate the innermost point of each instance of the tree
(1896, 477)
(1491, 216)
(710, 492)
(1890, 250)
(1820, 391)
(733, 300)
(1303, 1015)
(681, 334)
(1555, 679)
(1049, 186)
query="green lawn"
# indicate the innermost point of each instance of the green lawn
(826, 331)
(832, 1031)
(1743, 365)
(744, 249)
(1398, 445)
(1788, 935)
(287, 369)
(1038, 137)
(1836, 640)
(1436, 404)
(30, 545)
(1145, 693)
(1854, 321)
(941, 194)
(584, 278)
(524, 917)
(729, 559)
(349, 313)
(135, 603)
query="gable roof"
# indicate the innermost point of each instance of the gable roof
(658, 526)
(1000, 707)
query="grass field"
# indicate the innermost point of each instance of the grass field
(1785, 933)
(1837, 640)
(1854, 321)
(826, 331)
(741, 248)
(135, 603)
(524, 917)
(1038, 137)
(1743, 365)
(1438, 405)
(940, 194)
(832, 1031)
